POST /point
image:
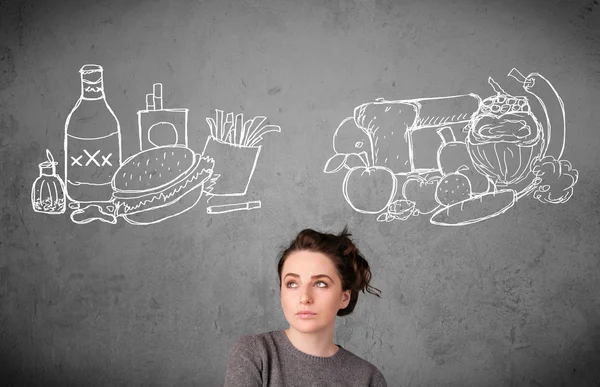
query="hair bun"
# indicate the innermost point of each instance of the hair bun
(350, 250)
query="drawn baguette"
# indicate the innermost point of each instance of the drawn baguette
(475, 209)
(434, 112)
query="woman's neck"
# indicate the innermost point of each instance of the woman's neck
(315, 344)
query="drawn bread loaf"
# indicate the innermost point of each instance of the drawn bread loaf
(387, 122)
(393, 127)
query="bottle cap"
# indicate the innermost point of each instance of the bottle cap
(90, 68)
(48, 167)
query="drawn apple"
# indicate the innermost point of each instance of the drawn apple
(421, 191)
(453, 188)
(369, 189)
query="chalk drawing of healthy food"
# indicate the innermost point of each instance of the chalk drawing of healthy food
(235, 145)
(458, 159)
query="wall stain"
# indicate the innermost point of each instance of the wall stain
(8, 129)
(7, 68)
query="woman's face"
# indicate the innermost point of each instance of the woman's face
(309, 282)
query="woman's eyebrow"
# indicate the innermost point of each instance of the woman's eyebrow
(312, 277)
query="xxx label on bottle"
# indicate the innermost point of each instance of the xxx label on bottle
(91, 164)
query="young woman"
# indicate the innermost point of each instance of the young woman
(320, 276)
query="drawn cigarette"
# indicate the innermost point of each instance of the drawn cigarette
(221, 209)
(149, 102)
(158, 101)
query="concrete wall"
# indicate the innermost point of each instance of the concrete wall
(510, 301)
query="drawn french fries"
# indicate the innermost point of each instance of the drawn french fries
(235, 131)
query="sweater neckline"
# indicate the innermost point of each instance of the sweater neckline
(285, 340)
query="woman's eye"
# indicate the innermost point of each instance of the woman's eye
(320, 284)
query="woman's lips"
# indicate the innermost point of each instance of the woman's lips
(305, 314)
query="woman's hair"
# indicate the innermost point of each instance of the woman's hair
(351, 266)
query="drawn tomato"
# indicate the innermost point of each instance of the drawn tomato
(421, 191)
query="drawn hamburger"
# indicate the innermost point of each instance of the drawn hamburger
(159, 183)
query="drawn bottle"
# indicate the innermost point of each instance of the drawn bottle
(452, 154)
(47, 192)
(92, 141)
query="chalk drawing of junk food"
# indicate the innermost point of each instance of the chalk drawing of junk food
(458, 159)
(48, 190)
(164, 179)
(160, 183)
(92, 142)
(235, 146)
(159, 126)
(92, 154)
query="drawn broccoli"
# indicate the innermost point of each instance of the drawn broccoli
(555, 180)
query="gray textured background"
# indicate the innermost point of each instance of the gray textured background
(513, 301)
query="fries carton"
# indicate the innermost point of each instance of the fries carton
(234, 144)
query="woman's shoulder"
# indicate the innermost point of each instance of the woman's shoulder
(357, 360)
(253, 337)
(252, 341)
(361, 366)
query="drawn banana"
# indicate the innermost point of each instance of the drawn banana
(555, 128)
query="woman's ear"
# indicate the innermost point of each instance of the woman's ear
(345, 298)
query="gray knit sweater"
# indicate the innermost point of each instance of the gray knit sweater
(271, 360)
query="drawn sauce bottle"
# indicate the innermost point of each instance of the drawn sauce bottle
(47, 192)
(92, 142)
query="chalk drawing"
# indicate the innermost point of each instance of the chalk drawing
(235, 145)
(104, 212)
(221, 209)
(48, 190)
(92, 142)
(149, 186)
(458, 159)
(159, 126)
(165, 178)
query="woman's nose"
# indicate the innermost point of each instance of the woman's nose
(305, 297)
